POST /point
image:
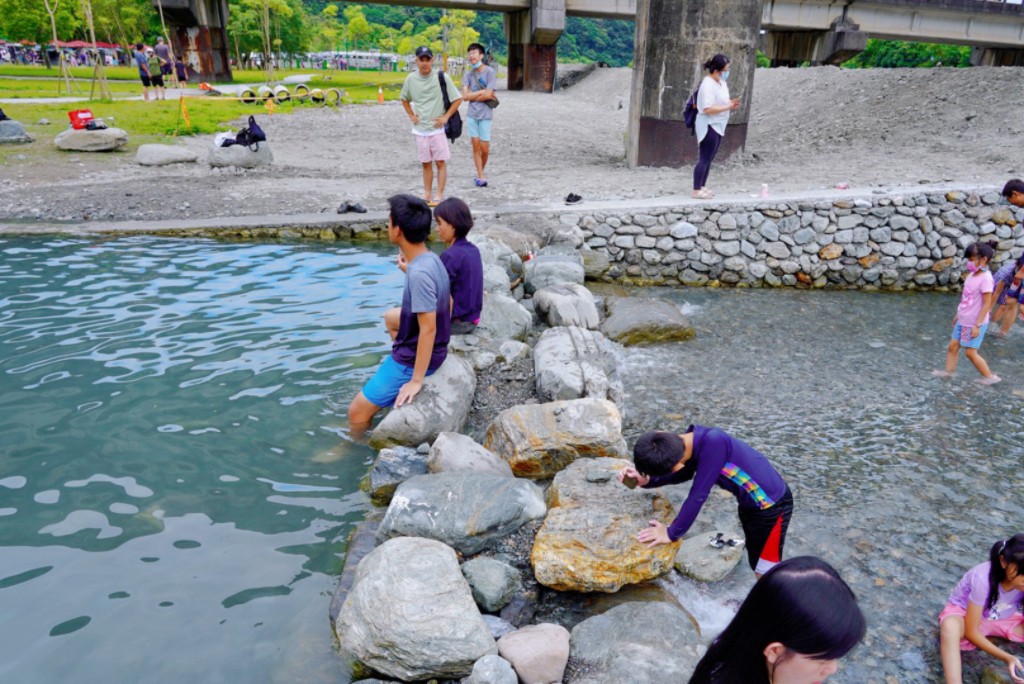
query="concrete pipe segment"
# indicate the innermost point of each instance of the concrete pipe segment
(248, 96)
(281, 94)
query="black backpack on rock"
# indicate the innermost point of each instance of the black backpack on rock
(251, 136)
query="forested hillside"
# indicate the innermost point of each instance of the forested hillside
(584, 40)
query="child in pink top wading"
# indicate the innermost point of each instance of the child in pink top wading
(987, 602)
(971, 319)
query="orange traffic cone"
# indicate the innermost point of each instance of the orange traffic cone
(380, 94)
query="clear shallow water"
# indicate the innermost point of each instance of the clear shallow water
(175, 483)
(902, 481)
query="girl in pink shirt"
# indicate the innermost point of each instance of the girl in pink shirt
(971, 319)
(986, 603)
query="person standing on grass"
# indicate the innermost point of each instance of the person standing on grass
(156, 76)
(478, 89)
(713, 108)
(424, 104)
(142, 62)
(163, 51)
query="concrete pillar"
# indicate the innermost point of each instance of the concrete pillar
(532, 38)
(673, 40)
(792, 48)
(199, 35)
(988, 56)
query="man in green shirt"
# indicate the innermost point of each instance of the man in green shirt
(424, 104)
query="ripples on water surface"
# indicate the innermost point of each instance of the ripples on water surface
(175, 488)
(901, 480)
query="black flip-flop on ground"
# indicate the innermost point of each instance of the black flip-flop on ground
(357, 208)
(573, 198)
(343, 208)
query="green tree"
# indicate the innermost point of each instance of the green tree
(125, 21)
(28, 20)
(890, 54)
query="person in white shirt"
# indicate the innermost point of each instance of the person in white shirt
(713, 107)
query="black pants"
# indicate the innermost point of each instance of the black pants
(708, 150)
(758, 528)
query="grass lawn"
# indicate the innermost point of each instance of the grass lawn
(47, 87)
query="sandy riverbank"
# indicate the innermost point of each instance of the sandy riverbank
(810, 129)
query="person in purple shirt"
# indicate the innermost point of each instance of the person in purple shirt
(421, 339)
(711, 456)
(463, 263)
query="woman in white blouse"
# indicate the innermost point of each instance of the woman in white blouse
(713, 107)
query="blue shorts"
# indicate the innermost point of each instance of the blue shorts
(963, 336)
(479, 128)
(382, 389)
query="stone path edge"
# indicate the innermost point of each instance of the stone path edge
(370, 226)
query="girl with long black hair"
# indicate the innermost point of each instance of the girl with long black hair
(794, 626)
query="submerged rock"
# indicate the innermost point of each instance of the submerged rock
(567, 304)
(538, 653)
(467, 511)
(82, 140)
(441, 406)
(538, 440)
(573, 363)
(634, 320)
(588, 539)
(455, 453)
(416, 620)
(393, 467)
(655, 643)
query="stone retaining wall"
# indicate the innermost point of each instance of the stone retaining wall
(888, 242)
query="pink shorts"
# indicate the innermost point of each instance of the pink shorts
(433, 148)
(1011, 629)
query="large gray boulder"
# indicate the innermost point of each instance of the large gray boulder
(503, 318)
(554, 266)
(13, 132)
(162, 155)
(572, 363)
(410, 613)
(492, 669)
(240, 156)
(509, 240)
(538, 440)
(496, 280)
(649, 642)
(467, 511)
(567, 304)
(394, 466)
(588, 539)
(706, 557)
(452, 452)
(441, 405)
(493, 583)
(595, 263)
(103, 140)
(635, 320)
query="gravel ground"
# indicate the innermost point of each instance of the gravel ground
(810, 129)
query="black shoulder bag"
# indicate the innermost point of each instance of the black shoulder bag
(453, 127)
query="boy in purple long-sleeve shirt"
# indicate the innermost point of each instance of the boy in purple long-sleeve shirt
(710, 456)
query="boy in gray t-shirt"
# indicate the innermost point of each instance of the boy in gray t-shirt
(425, 317)
(478, 89)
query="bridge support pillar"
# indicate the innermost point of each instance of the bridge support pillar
(532, 45)
(199, 35)
(672, 41)
(982, 56)
(792, 48)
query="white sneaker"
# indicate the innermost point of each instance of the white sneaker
(941, 374)
(990, 380)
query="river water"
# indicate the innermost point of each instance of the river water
(176, 483)
(176, 486)
(902, 481)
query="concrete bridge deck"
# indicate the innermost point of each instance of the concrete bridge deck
(982, 23)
